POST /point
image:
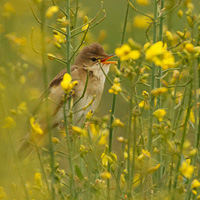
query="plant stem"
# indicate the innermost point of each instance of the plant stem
(152, 81)
(159, 172)
(45, 82)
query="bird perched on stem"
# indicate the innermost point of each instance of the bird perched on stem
(88, 71)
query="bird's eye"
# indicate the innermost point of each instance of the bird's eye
(93, 59)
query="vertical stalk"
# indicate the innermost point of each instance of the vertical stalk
(152, 81)
(159, 172)
(114, 102)
(45, 82)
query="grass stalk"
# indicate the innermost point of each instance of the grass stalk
(152, 80)
(45, 82)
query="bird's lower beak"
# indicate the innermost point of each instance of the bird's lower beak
(107, 61)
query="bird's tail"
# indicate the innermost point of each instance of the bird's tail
(28, 145)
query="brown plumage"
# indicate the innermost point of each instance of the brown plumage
(87, 59)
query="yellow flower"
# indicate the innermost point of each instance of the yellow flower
(125, 53)
(144, 104)
(145, 94)
(193, 152)
(136, 180)
(59, 37)
(105, 175)
(85, 27)
(189, 47)
(38, 179)
(143, 2)
(159, 114)
(145, 153)
(22, 108)
(89, 114)
(2, 193)
(186, 169)
(66, 83)
(35, 126)
(180, 13)
(117, 122)
(159, 91)
(116, 87)
(51, 11)
(79, 130)
(55, 140)
(141, 21)
(195, 184)
(9, 122)
(169, 35)
(156, 49)
(153, 169)
(103, 138)
(51, 56)
(104, 159)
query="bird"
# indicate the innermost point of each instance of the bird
(90, 66)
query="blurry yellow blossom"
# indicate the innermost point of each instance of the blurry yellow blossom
(2, 86)
(79, 130)
(125, 53)
(136, 180)
(117, 122)
(122, 181)
(145, 153)
(21, 41)
(169, 35)
(9, 122)
(159, 54)
(103, 138)
(141, 21)
(63, 21)
(189, 47)
(104, 159)
(51, 56)
(8, 9)
(144, 104)
(105, 175)
(194, 192)
(85, 27)
(186, 169)
(159, 114)
(35, 126)
(146, 46)
(38, 179)
(186, 144)
(192, 117)
(159, 91)
(22, 108)
(193, 152)
(153, 169)
(195, 184)
(145, 94)
(51, 11)
(3, 195)
(89, 114)
(22, 79)
(67, 84)
(116, 87)
(55, 140)
(59, 37)
(180, 13)
(143, 2)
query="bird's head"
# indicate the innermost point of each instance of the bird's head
(92, 55)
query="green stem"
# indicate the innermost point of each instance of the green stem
(159, 172)
(152, 81)
(45, 82)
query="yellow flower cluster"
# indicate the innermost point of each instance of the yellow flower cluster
(159, 54)
(116, 87)
(38, 179)
(35, 126)
(159, 91)
(125, 53)
(79, 130)
(117, 122)
(51, 11)
(159, 114)
(186, 169)
(9, 122)
(141, 21)
(67, 84)
(144, 104)
(143, 2)
(144, 154)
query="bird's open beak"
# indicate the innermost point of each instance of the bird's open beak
(107, 61)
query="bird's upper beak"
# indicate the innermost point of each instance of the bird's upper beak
(106, 60)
